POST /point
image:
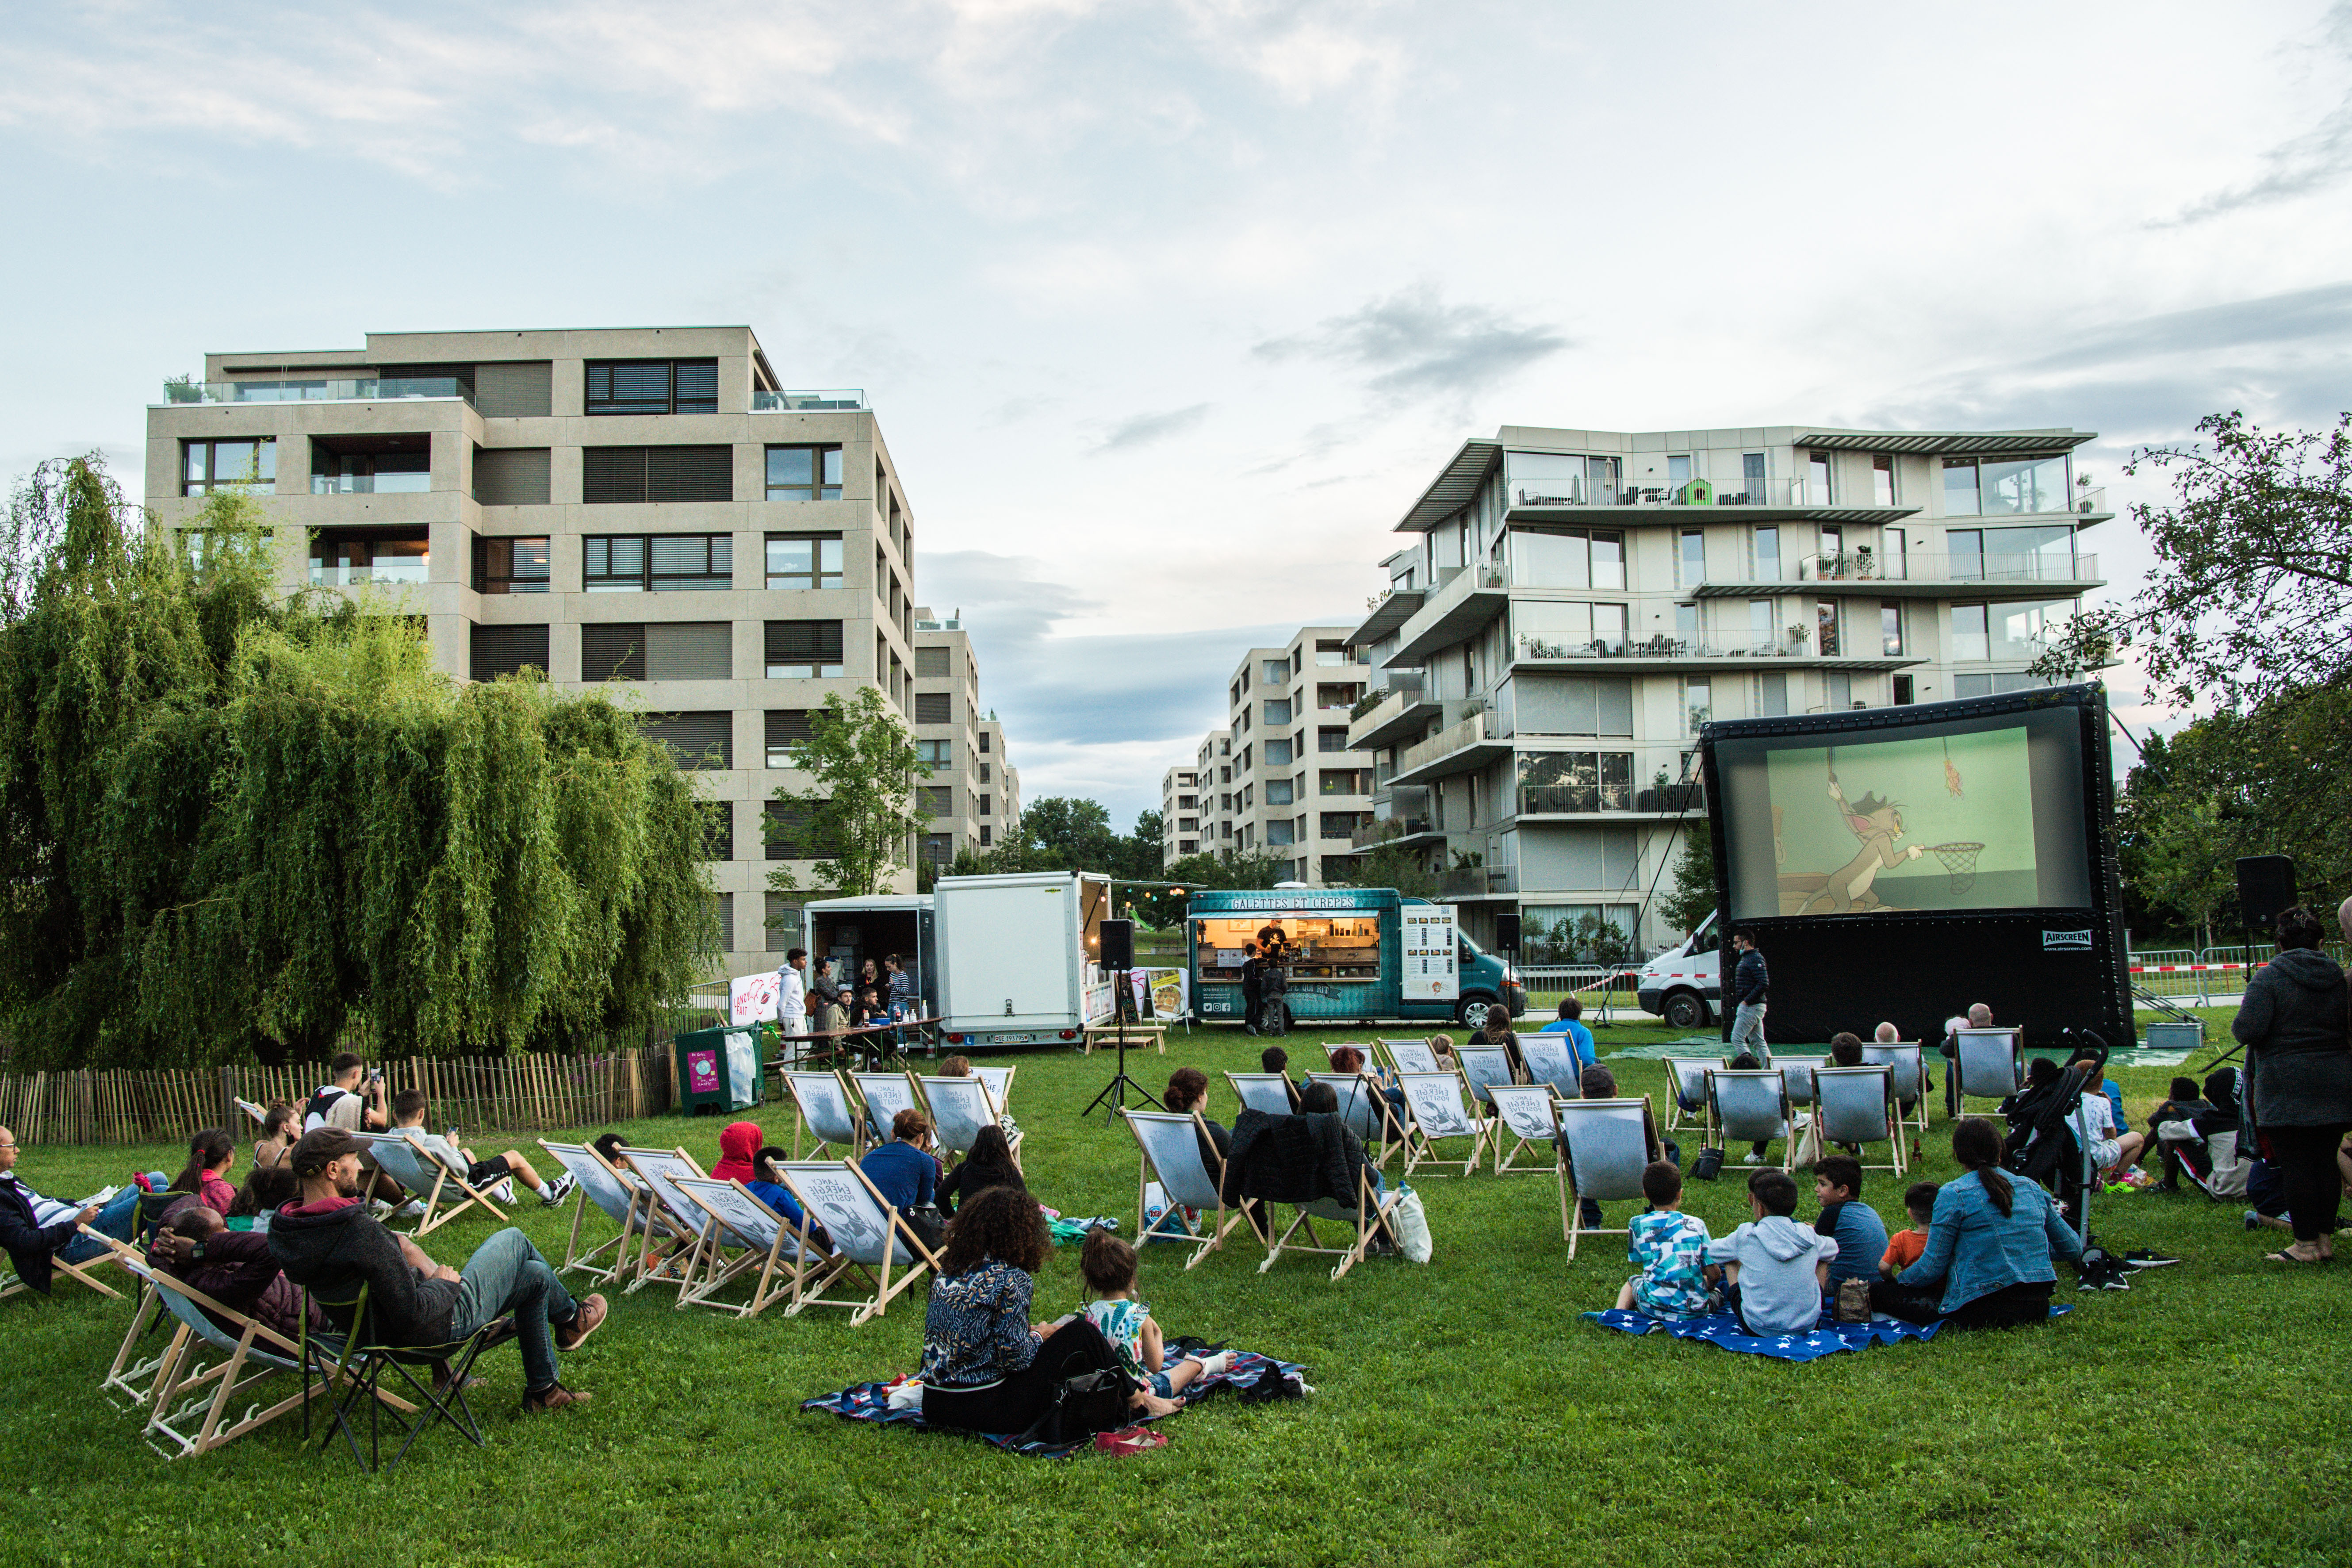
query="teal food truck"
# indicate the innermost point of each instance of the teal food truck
(1355, 955)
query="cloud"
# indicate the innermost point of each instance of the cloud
(1143, 429)
(2303, 316)
(1417, 346)
(2301, 165)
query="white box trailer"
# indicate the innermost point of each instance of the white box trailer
(1020, 957)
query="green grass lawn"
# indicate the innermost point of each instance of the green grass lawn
(1463, 1412)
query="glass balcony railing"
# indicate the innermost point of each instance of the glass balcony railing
(1864, 567)
(1582, 490)
(367, 389)
(353, 574)
(807, 401)
(369, 484)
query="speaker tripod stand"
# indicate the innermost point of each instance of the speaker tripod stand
(1116, 1089)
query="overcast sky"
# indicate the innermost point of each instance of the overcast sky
(1169, 311)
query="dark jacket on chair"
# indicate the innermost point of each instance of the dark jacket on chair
(1292, 1158)
(28, 1246)
(336, 1251)
(238, 1271)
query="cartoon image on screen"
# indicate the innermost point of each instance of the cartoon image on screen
(1885, 826)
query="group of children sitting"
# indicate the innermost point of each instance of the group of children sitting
(1774, 1273)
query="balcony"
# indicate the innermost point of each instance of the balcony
(1457, 749)
(1923, 576)
(1752, 499)
(1592, 797)
(1389, 830)
(1387, 613)
(369, 484)
(1478, 882)
(1465, 600)
(357, 389)
(1619, 655)
(824, 400)
(1397, 715)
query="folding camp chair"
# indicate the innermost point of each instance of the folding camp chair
(188, 1393)
(1604, 1146)
(1685, 1092)
(1856, 1105)
(886, 1094)
(960, 1108)
(1523, 1110)
(1750, 1105)
(358, 1361)
(1366, 1111)
(1411, 1056)
(1267, 1091)
(1433, 1109)
(761, 1239)
(617, 1192)
(870, 1239)
(822, 1109)
(1906, 1070)
(402, 1155)
(1178, 1153)
(1989, 1066)
(1482, 1066)
(667, 1210)
(1551, 1062)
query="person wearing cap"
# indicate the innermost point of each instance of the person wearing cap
(327, 1240)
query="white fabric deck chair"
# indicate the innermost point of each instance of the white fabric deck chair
(870, 1239)
(822, 1110)
(191, 1405)
(1482, 1066)
(617, 1192)
(1366, 1111)
(667, 1214)
(1267, 1091)
(1523, 1112)
(1551, 1062)
(759, 1237)
(1332, 1049)
(1365, 1213)
(958, 1108)
(1856, 1105)
(1000, 1086)
(260, 1116)
(1175, 1153)
(886, 1094)
(1906, 1065)
(1411, 1056)
(1433, 1109)
(1990, 1065)
(404, 1158)
(1685, 1092)
(1798, 1073)
(1749, 1105)
(1607, 1144)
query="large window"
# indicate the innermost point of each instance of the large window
(1690, 559)
(1576, 781)
(1344, 781)
(937, 755)
(1818, 490)
(803, 648)
(1339, 947)
(1573, 558)
(510, 565)
(804, 561)
(660, 563)
(2024, 631)
(937, 800)
(512, 475)
(1276, 672)
(236, 466)
(1974, 487)
(338, 561)
(506, 650)
(934, 708)
(1698, 703)
(1278, 754)
(652, 387)
(2042, 553)
(1278, 711)
(804, 473)
(697, 741)
(370, 465)
(657, 650)
(1560, 934)
(1281, 832)
(1278, 793)
(626, 476)
(1763, 637)
(1331, 739)
(1550, 629)
(788, 729)
(1968, 632)
(1331, 653)
(790, 834)
(1764, 555)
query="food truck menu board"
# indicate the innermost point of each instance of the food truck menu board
(1429, 950)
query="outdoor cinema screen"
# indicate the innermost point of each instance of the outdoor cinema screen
(1980, 813)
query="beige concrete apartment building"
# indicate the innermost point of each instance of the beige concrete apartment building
(972, 794)
(1180, 816)
(647, 505)
(1572, 605)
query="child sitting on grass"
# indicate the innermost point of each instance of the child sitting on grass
(1861, 1234)
(1109, 1265)
(1671, 1247)
(1904, 1249)
(1773, 1268)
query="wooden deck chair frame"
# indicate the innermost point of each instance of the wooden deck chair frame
(1148, 1168)
(879, 1130)
(1398, 1063)
(1354, 1089)
(1000, 1085)
(588, 1168)
(120, 1252)
(681, 1224)
(410, 1163)
(1419, 1143)
(187, 1391)
(1373, 1211)
(1266, 1082)
(1715, 1132)
(1818, 1137)
(816, 1276)
(1966, 1085)
(1530, 1103)
(1676, 1117)
(1572, 1227)
(803, 1122)
(1892, 1055)
(130, 1383)
(931, 1092)
(711, 1270)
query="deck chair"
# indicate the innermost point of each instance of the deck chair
(1551, 1062)
(1906, 1065)
(1686, 1093)
(958, 1108)
(760, 1238)
(821, 1109)
(1366, 1111)
(1856, 1105)
(406, 1159)
(667, 1211)
(260, 1114)
(1799, 1071)
(1433, 1109)
(1523, 1112)
(1605, 1145)
(1411, 1056)
(1173, 1149)
(886, 1094)
(130, 1381)
(1482, 1066)
(1989, 1066)
(359, 1360)
(1750, 1105)
(1366, 1211)
(1267, 1091)
(188, 1395)
(1000, 1086)
(10, 1285)
(615, 1192)
(870, 1239)
(1332, 1049)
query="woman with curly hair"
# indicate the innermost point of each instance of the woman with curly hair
(986, 1368)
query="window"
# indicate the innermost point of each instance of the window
(1330, 653)
(1280, 833)
(1550, 629)
(1576, 781)
(1547, 933)
(1839, 691)
(1969, 638)
(1890, 628)
(660, 563)
(1698, 703)
(1817, 480)
(652, 387)
(1761, 638)
(1678, 470)
(784, 924)
(1276, 672)
(346, 560)
(790, 833)
(613, 651)
(804, 561)
(1764, 555)
(514, 389)
(1574, 558)
(1751, 479)
(2031, 485)
(1882, 481)
(506, 650)
(937, 755)
(1691, 563)
(1336, 824)
(984, 802)
(662, 650)
(1686, 627)
(937, 800)
(1960, 499)
(1278, 754)
(628, 476)
(803, 648)
(511, 475)
(1825, 625)
(1903, 698)
(931, 663)
(726, 920)
(236, 467)
(804, 473)
(984, 778)
(985, 747)
(698, 742)
(510, 565)
(1972, 686)
(2022, 631)
(938, 848)
(934, 708)
(1278, 711)
(1330, 740)
(787, 728)
(2011, 555)
(370, 465)
(1771, 695)
(986, 833)
(1278, 793)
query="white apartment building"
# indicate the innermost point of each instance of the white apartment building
(644, 505)
(971, 791)
(1572, 605)
(1180, 814)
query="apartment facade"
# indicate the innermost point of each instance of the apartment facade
(649, 506)
(1570, 606)
(1180, 814)
(972, 792)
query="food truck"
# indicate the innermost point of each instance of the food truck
(1353, 955)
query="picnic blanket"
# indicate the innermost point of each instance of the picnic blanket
(871, 1402)
(1827, 1336)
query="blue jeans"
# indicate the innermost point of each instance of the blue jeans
(1746, 1027)
(121, 1213)
(505, 1274)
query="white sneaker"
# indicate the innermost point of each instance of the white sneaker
(1751, 1158)
(556, 1191)
(503, 1193)
(1217, 1365)
(412, 1209)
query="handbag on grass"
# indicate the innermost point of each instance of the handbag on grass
(1852, 1301)
(1709, 1166)
(1411, 1222)
(1083, 1403)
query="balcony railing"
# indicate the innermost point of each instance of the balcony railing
(808, 402)
(1468, 732)
(1474, 881)
(1585, 491)
(1867, 566)
(1535, 647)
(1377, 830)
(369, 484)
(359, 389)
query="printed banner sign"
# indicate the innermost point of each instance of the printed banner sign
(702, 1072)
(751, 998)
(1429, 951)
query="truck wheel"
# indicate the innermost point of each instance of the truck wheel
(1471, 1011)
(1685, 1010)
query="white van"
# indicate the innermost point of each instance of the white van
(1683, 985)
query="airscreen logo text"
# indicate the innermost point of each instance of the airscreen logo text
(2051, 938)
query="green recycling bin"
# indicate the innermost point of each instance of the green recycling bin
(720, 1069)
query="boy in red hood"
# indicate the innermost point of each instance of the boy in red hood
(738, 1161)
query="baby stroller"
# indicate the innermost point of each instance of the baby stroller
(2042, 1144)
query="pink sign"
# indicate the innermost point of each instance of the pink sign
(702, 1072)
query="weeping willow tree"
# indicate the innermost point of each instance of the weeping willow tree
(233, 824)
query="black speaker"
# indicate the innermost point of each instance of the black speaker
(1119, 944)
(2266, 889)
(1506, 932)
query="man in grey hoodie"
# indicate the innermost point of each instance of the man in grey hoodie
(1776, 1270)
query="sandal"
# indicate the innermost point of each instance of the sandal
(2288, 1256)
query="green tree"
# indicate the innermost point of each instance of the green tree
(232, 824)
(1692, 895)
(856, 818)
(1386, 863)
(1144, 850)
